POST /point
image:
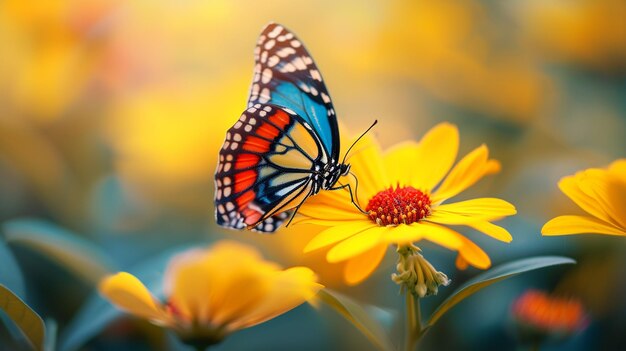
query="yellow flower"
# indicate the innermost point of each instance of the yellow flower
(404, 191)
(213, 292)
(602, 194)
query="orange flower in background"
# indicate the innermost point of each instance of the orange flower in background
(403, 192)
(214, 292)
(545, 314)
(599, 192)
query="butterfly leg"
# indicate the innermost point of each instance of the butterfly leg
(293, 215)
(349, 187)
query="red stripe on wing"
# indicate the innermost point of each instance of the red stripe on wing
(246, 161)
(244, 180)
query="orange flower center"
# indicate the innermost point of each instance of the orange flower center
(400, 205)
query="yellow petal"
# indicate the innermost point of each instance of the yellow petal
(362, 266)
(338, 233)
(482, 208)
(563, 225)
(472, 254)
(609, 191)
(129, 294)
(329, 212)
(397, 159)
(356, 244)
(438, 151)
(220, 284)
(404, 234)
(441, 235)
(450, 218)
(570, 186)
(618, 168)
(288, 289)
(339, 199)
(494, 231)
(467, 172)
(367, 164)
(461, 263)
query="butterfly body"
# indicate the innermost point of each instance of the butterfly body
(285, 146)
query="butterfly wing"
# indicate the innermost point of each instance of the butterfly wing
(266, 167)
(285, 75)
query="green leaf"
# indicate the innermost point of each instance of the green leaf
(27, 320)
(357, 315)
(492, 276)
(79, 255)
(10, 272)
(97, 313)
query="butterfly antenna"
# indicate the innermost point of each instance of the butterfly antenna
(357, 140)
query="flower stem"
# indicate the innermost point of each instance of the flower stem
(414, 321)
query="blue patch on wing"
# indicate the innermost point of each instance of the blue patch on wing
(288, 95)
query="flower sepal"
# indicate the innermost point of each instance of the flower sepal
(415, 274)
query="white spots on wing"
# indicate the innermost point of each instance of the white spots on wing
(230, 206)
(234, 146)
(267, 76)
(221, 209)
(227, 167)
(315, 74)
(275, 32)
(257, 105)
(247, 128)
(281, 38)
(273, 61)
(288, 67)
(222, 158)
(227, 191)
(267, 108)
(236, 137)
(296, 43)
(229, 157)
(263, 56)
(284, 52)
(228, 136)
(226, 145)
(330, 112)
(289, 111)
(325, 97)
(219, 193)
(262, 113)
(238, 125)
(261, 39)
(270, 44)
(304, 87)
(307, 59)
(265, 93)
(313, 91)
(289, 36)
(227, 180)
(252, 120)
(299, 63)
(268, 227)
(257, 51)
(255, 91)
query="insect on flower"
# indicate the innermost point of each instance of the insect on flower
(285, 147)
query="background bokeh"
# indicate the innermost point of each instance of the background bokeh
(112, 112)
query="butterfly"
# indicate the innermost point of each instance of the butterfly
(285, 146)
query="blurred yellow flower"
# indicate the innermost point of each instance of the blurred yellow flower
(405, 189)
(587, 32)
(214, 292)
(449, 48)
(599, 192)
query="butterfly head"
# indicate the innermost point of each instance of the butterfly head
(344, 169)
